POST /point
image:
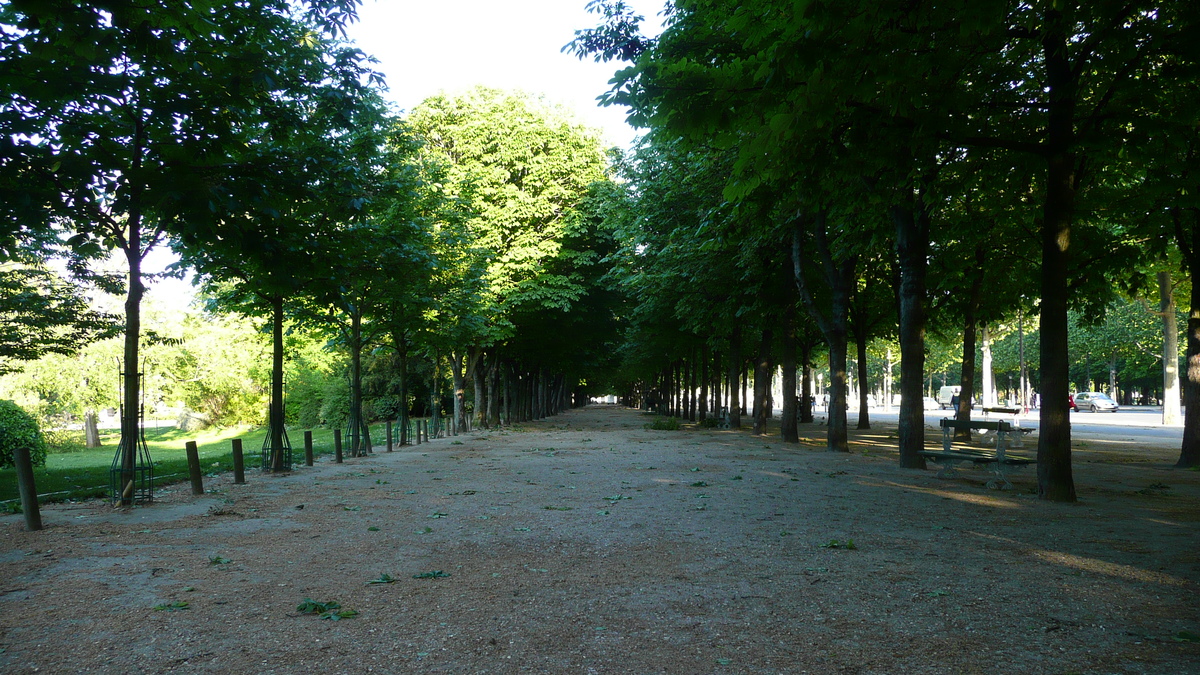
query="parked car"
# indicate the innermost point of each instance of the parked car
(1094, 401)
(931, 403)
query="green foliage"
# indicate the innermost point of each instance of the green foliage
(215, 365)
(85, 474)
(64, 440)
(385, 408)
(335, 403)
(435, 574)
(834, 543)
(329, 611)
(42, 313)
(383, 579)
(1186, 636)
(664, 424)
(172, 606)
(18, 429)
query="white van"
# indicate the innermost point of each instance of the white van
(945, 394)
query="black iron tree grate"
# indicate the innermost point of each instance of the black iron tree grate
(268, 452)
(285, 445)
(131, 476)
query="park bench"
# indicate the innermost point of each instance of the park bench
(999, 461)
(1017, 437)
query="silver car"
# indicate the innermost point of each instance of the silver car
(1094, 401)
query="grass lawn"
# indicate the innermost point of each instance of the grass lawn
(78, 475)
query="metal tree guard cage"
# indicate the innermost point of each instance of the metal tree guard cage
(358, 435)
(268, 451)
(131, 475)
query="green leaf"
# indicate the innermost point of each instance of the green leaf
(310, 606)
(435, 574)
(171, 607)
(338, 614)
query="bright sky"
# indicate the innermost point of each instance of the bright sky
(425, 47)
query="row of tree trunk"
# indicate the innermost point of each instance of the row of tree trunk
(708, 384)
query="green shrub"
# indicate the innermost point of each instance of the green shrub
(664, 424)
(383, 408)
(709, 423)
(305, 396)
(64, 440)
(18, 429)
(335, 403)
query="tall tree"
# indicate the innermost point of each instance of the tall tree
(521, 166)
(123, 117)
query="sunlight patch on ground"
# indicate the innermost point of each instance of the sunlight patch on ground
(1164, 522)
(1107, 568)
(979, 499)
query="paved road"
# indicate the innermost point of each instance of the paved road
(1144, 422)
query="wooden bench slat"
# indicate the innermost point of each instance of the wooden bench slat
(997, 460)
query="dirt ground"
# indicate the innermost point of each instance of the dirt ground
(588, 544)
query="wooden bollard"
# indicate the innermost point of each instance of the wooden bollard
(239, 463)
(337, 445)
(193, 460)
(308, 448)
(28, 489)
(389, 435)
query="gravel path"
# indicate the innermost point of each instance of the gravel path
(588, 544)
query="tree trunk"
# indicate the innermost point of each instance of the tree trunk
(1055, 480)
(912, 250)
(702, 414)
(762, 384)
(716, 384)
(356, 433)
(541, 394)
(493, 401)
(479, 378)
(735, 372)
(1170, 364)
(789, 430)
(435, 399)
(91, 431)
(458, 375)
(506, 390)
(988, 377)
(130, 407)
(966, 379)
(839, 277)
(275, 416)
(864, 412)
(402, 355)
(745, 384)
(806, 398)
(691, 386)
(1187, 237)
